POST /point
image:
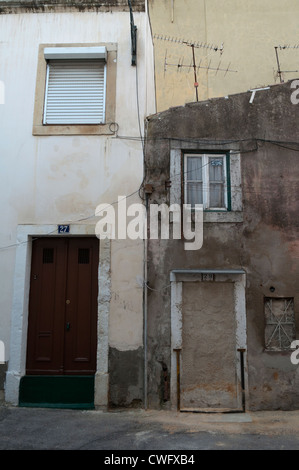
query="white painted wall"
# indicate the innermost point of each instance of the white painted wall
(61, 179)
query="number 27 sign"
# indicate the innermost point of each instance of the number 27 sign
(63, 229)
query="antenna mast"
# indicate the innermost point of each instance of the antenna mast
(279, 71)
(194, 45)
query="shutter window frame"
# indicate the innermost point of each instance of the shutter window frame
(58, 107)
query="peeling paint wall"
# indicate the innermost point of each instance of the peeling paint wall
(126, 378)
(263, 242)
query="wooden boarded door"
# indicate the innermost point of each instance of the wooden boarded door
(208, 371)
(62, 325)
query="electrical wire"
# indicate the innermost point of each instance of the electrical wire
(162, 185)
(69, 222)
(139, 126)
(156, 290)
(178, 175)
(210, 142)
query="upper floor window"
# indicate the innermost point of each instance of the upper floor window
(209, 177)
(75, 85)
(206, 181)
(75, 91)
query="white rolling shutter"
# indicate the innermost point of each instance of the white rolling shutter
(75, 92)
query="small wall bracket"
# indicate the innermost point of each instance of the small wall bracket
(133, 36)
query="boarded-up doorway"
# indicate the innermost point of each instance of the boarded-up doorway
(208, 318)
(209, 346)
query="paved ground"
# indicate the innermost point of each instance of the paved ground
(52, 429)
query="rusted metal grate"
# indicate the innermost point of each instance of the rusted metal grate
(280, 323)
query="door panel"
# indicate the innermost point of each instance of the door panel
(208, 375)
(47, 297)
(63, 307)
(81, 310)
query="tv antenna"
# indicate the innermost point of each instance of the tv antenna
(279, 71)
(194, 45)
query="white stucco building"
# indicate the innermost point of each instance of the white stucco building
(59, 161)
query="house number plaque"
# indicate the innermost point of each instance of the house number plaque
(63, 229)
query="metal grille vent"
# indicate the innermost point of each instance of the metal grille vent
(83, 256)
(280, 323)
(48, 255)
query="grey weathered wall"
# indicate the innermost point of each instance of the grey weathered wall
(126, 378)
(3, 368)
(37, 6)
(265, 244)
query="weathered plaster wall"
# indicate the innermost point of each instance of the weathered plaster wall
(62, 179)
(249, 32)
(264, 244)
(126, 381)
(37, 6)
(208, 355)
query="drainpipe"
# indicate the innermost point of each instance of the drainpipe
(145, 301)
(242, 351)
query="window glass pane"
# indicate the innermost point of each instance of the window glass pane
(194, 193)
(216, 181)
(216, 169)
(194, 169)
(216, 195)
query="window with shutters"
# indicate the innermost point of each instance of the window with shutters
(75, 90)
(206, 181)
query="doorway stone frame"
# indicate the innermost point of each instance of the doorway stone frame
(19, 318)
(177, 277)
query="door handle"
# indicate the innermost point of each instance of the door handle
(68, 326)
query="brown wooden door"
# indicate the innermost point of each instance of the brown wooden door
(62, 326)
